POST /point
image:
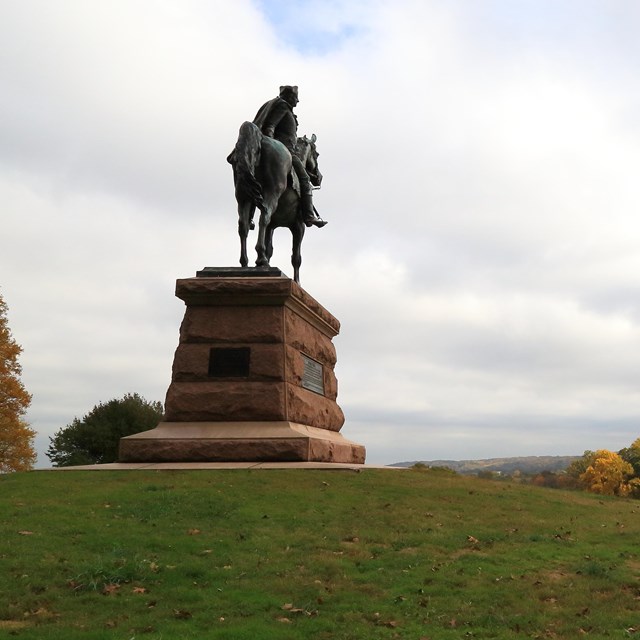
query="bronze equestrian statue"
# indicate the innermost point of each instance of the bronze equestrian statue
(274, 171)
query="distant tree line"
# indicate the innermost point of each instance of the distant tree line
(604, 472)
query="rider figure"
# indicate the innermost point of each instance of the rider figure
(276, 120)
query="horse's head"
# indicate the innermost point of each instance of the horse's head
(308, 154)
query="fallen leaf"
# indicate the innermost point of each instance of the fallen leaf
(391, 624)
(194, 532)
(25, 533)
(181, 614)
(110, 588)
(289, 607)
(285, 620)
(139, 590)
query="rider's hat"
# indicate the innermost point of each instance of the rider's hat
(289, 90)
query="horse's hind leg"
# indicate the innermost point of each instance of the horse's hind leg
(261, 244)
(245, 213)
(297, 233)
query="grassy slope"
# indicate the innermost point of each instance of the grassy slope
(311, 554)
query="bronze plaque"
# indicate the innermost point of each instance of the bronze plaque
(313, 377)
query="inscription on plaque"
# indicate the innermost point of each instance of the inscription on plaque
(229, 363)
(312, 378)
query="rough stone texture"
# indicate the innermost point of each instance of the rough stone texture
(191, 362)
(254, 293)
(308, 407)
(294, 366)
(232, 399)
(279, 322)
(305, 337)
(225, 442)
(232, 324)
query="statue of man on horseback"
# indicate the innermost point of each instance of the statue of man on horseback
(273, 171)
(276, 119)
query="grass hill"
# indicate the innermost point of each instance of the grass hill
(527, 464)
(298, 554)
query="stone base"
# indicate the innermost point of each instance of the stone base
(239, 442)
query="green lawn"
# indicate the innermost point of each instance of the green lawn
(335, 555)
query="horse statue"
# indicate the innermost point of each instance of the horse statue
(264, 179)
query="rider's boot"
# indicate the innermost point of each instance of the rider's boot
(309, 213)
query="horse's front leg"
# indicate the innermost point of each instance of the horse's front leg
(297, 233)
(245, 212)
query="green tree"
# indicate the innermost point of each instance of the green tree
(94, 439)
(16, 437)
(631, 455)
(579, 466)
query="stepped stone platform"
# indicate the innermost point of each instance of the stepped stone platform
(224, 466)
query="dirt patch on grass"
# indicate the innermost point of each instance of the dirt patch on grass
(634, 565)
(555, 576)
(410, 551)
(13, 624)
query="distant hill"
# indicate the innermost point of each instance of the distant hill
(526, 464)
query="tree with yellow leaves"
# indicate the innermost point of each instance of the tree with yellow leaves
(16, 437)
(607, 474)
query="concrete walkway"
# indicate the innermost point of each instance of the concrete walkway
(161, 466)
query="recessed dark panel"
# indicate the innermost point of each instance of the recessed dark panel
(229, 363)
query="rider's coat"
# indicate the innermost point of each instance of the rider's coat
(276, 119)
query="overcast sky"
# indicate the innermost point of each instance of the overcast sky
(480, 162)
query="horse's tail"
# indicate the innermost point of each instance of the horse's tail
(245, 158)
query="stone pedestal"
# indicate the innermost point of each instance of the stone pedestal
(253, 377)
